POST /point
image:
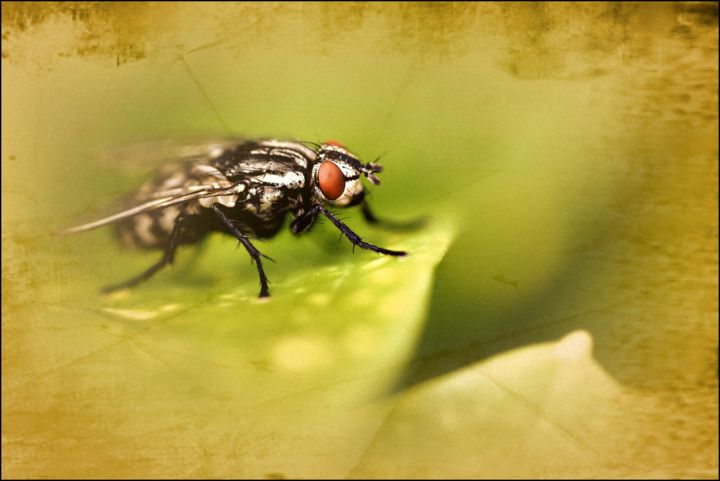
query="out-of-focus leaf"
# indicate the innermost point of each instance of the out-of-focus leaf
(200, 360)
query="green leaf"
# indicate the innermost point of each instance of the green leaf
(193, 357)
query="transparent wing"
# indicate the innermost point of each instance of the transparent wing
(157, 156)
(152, 205)
(149, 155)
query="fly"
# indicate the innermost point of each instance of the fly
(246, 189)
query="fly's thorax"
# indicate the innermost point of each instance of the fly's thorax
(271, 192)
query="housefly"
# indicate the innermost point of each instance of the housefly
(245, 188)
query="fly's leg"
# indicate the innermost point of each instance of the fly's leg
(353, 237)
(167, 258)
(371, 218)
(304, 222)
(254, 253)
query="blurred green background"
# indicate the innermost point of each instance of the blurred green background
(556, 318)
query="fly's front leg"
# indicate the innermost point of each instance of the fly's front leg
(254, 253)
(371, 218)
(353, 237)
(167, 258)
(303, 222)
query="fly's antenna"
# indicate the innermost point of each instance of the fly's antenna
(372, 168)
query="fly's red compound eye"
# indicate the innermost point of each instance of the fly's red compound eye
(331, 180)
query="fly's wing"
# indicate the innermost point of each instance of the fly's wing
(152, 205)
(150, 155)
(190, 158)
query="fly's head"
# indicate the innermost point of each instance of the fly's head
(336, 175)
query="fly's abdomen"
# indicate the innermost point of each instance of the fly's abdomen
(153, 229)
(200, 184)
